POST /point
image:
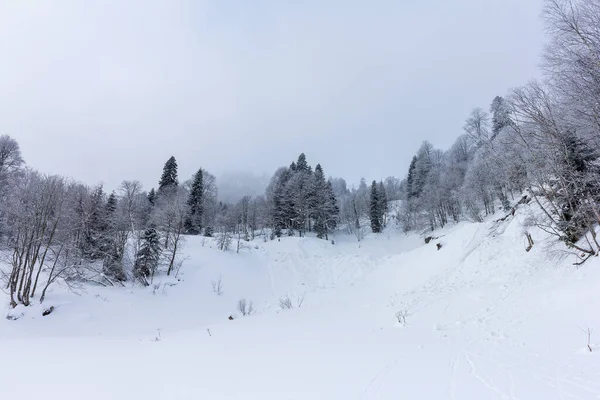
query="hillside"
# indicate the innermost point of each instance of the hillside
(386, 318)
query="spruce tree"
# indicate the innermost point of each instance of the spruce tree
(195, 202)
(374, 212)
(332, 210)
(318, 201)
(147, 257)
(383, 203)
(168, 178)
(411, 178)
(111, 242)
(301, 164)
(152, 197)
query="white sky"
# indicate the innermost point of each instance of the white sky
(108, 90)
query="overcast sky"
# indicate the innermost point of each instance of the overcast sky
(108, 90)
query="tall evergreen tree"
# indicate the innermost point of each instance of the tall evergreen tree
(332, 210)
(411, 178)
(195, 202)
(152, 197)
(301, 164)
(318, 201)
(113, 242)
(146, 261)
(383, 203)
(169, 176)
(374, 211)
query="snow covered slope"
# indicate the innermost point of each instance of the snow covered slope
(388, 318)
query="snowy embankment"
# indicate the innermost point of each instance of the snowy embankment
(388, 318)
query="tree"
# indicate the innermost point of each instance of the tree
(570, 61)
(146, 261)
(383, 204)
(500, 110)
(410, 179)
(195, 202)
(301, 164)
(375, 213)
(114, 239)
(10, 167)
(169, 218)
(152, 197)
(10, 158)
(168, 178)
(477, 125)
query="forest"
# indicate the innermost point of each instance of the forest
(540, 141)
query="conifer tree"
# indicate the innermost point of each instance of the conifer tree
(374, 212)
(112, 247)
(152, 197)
(146, 261)
(318, 201)
(301, 164)
(195, 202)
(332, 210)
(383, 203)
(411, 178)
(169, 176)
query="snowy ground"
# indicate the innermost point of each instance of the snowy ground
(483, 320)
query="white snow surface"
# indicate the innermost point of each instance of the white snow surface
(483, 320)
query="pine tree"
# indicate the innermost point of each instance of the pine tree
(374, 212)
(281, 208)
(169, 176)
(112, 242)
(94, 224)
(318, 201)
(301, 164)
(195, 202)
(411, 178)
(146, 261)
(332, 210)
(152, 197)
(383, 203)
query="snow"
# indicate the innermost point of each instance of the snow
(483, 320)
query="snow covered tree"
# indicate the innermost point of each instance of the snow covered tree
(375, 211)
(195, 202)
(500, 110)
(477, 127)
(410, 179)
(301, 164)
(152, 197)
(114, 239)
(168, 178)
(383, 204)
(147, 257)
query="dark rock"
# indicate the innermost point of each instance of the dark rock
(48, 311)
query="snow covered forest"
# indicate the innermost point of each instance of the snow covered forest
(469, 273)
(542, 138)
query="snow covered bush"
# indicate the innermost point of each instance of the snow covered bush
(245, 307)
(217, 286)
(285, 303)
